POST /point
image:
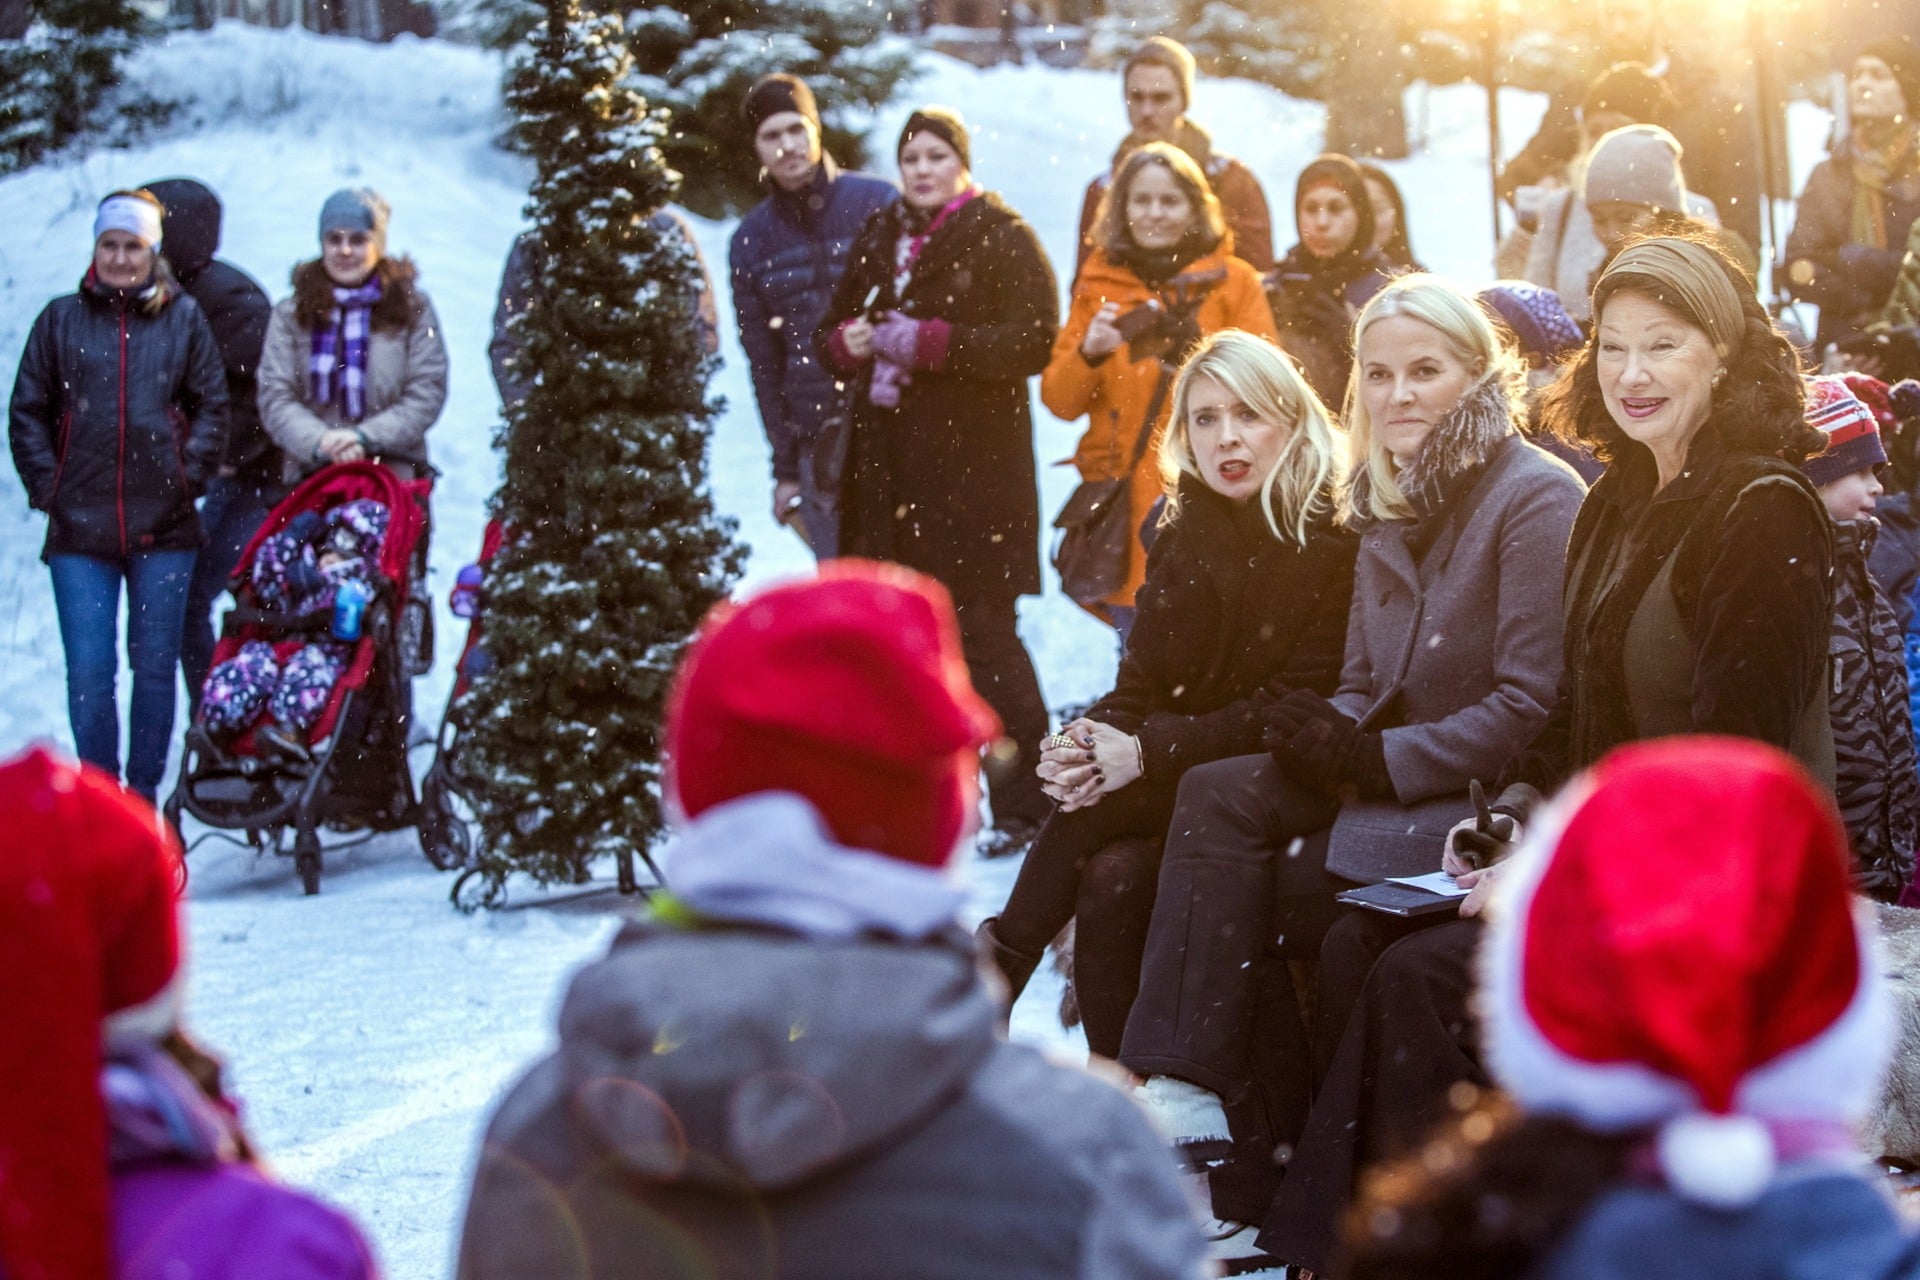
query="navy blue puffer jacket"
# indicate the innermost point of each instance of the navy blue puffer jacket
(786, 256)
(118, 418)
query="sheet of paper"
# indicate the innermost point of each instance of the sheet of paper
(1435, 882)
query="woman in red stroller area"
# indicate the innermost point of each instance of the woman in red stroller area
(118, 419)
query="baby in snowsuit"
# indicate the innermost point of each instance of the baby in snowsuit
(298, 570)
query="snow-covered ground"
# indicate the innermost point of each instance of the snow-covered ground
(370, 1027)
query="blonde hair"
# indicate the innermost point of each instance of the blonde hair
(1306, 477)
(1471, 337)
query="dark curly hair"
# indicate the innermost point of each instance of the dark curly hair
(1486, 1199)
(1759, 407)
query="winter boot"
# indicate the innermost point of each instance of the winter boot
(1015, 967)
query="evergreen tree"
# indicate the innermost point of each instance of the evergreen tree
(55, 75)
(698, 58)
(614, 551)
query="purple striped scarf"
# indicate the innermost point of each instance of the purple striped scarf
(337, 362)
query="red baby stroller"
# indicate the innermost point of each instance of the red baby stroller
(446, 792)
(357, 776)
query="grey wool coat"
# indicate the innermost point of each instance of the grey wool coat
(406, 375)
(1454, 645)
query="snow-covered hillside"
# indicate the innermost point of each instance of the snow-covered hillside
(370, 1027)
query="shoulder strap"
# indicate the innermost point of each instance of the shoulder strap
(1154, 405)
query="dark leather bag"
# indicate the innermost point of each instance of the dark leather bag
(1096, 524)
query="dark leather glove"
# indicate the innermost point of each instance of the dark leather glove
(1318, 747)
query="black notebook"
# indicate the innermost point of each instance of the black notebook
(1400, 900)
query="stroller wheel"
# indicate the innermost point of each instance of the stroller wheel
(306, 860)
(445, 838)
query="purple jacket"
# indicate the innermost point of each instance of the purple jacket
(175, 1221)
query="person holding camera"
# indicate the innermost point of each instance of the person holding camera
(1161, 277)
(1329, 275)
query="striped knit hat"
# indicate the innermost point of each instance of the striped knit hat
(1853, 436)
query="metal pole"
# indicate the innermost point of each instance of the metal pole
(1490, 74)
(1762, 57)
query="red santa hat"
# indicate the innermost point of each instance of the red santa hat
(88, 878)
(848, 690)
(1677, 950)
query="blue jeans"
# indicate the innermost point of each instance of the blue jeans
(86, 598)
(231, 513)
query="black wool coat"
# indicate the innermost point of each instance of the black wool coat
(118, 419)
(1751, 585)
(237, 308)
(1230, 618)
(945, 483)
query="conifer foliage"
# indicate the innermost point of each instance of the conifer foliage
(614, 551)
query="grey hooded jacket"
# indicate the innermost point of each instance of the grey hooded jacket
(733, 1103)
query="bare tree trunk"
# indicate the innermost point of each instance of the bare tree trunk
(1364, 113)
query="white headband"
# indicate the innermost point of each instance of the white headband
(131, 215)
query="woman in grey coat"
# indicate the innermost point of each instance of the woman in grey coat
(1452, 658)
(354, 364)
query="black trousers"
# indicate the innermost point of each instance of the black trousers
(1002, 672)
(1243, 890)
(1409, 1040)
(1099, 866)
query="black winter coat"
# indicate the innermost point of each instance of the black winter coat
(119, 416)
(1750, 587)
(1314, 302)
(785, 258)
(945, 483)
(1230, 617)
(237, 309)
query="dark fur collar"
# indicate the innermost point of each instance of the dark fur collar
(399, 301)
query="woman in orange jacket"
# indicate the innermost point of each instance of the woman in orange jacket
(1161, 276)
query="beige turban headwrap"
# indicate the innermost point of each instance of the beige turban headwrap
(1692, 274)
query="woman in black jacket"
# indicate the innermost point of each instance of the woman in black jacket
(946, 309)
(118, 419)
(1245, 598)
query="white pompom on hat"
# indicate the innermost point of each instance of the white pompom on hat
(1677, 950)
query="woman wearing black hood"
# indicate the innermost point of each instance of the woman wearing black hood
(1329, 275)
(247, 482)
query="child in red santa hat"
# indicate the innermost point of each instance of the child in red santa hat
(1683, 1003)
(118, 1155)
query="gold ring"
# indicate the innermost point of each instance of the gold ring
(1058, 740)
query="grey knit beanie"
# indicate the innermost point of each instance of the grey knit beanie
(357, 209)
(1639, 164)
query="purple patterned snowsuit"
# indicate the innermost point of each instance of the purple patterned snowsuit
(297, 570)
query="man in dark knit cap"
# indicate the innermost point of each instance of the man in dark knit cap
(1158, 80)
(787, 254)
